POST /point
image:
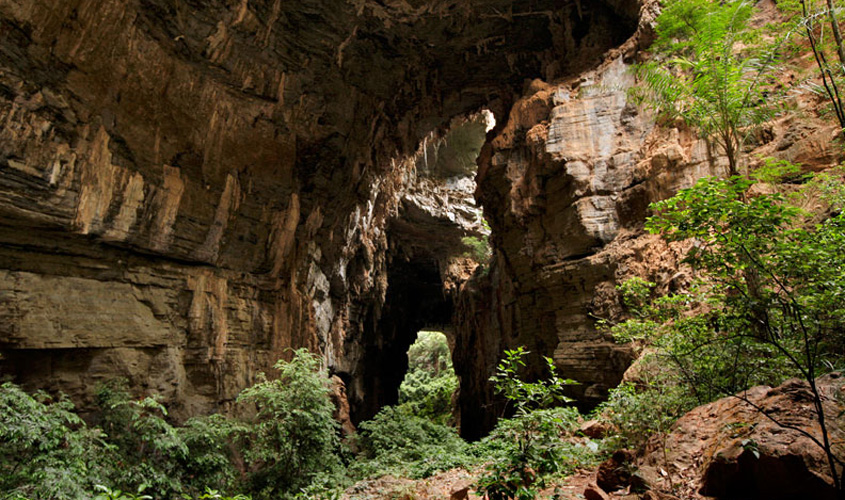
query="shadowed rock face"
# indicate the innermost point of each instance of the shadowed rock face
(187, 189)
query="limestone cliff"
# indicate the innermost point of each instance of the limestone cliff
(189, 188)
(566, 183)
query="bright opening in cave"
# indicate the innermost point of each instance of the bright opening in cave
(430, 384)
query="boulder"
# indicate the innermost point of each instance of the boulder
(615, 473)
(754, 445)
(593, 492)
(594, 429)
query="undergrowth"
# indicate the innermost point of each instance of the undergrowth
(284, 445)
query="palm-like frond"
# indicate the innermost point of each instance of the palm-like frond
(711, 70)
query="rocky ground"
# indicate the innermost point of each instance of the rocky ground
(725, 449)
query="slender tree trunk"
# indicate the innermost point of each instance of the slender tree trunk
(821, 61)
(731, 153)
(837, 35)
(828, 447)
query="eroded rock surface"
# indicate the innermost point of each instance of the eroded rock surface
(187, 189)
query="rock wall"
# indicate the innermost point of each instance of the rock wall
(565, 183)
(187, 189)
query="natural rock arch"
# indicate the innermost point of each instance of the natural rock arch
(189, 188)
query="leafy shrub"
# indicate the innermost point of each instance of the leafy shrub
(46, 451)
(523, 395)
(714, 71)
(106, 493)
(293, 436)
(636, 412)
(149, 450)
(209, 461)
(478, 248)
(290, 445)
(535, 449)
(400, 443)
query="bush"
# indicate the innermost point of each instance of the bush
(289, 445)
(46, 451)
(534, 435)
(636, 412)
(478, 248)
(148, 450)
(209, 461)
(767, 304)
(399, 443)
(293, 436)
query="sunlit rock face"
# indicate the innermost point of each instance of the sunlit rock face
(187, 189)
(565, 181)
(555, 183)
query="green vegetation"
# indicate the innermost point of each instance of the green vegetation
(767, 304)
(400, 443)
(286, 443)
(46, 451)
(529, 448)
(713, 72)
(478, 247)
(413, 438)
(293, 436)
(431, 382)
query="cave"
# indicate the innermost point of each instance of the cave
(190, 189)
(415, 301)
(426, 256)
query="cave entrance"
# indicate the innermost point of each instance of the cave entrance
(415, 301)
(426, 259)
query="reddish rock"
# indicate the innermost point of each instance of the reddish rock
(460, 494)
(341, 404)
(615, 473)
(729, 449)
(593, 492)
(594, 429)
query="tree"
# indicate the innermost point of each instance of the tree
(294, 436)
(728, 334)
(149, 448)
(534, 431)
(709, 69)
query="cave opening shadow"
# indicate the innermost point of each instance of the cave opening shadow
(415, 301)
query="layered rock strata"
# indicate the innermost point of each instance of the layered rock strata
(187, 189)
